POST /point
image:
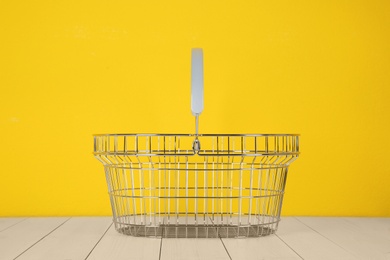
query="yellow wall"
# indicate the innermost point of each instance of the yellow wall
(69, 69)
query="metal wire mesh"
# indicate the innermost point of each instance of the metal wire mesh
(233, 187)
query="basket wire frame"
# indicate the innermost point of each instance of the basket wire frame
(232, 187)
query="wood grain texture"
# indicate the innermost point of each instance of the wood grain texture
(193, 249)
(95, 238)
(73, 240)
(269, 247)
(21, 237)
(357, 240)
(378, 227)
(308, 243)
(9, 222)
(121, 247)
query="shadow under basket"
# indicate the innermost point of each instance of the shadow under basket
(231, 186)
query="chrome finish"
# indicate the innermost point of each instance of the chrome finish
(196, 143)
(167, 185)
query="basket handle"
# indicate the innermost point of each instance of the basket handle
(197, 102)
(197, 81)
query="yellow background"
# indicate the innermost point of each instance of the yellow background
(69, 69)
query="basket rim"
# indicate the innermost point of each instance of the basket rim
(167, 134)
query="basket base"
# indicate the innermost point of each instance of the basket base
(199, 231)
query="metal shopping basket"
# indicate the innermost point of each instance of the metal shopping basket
(196, 185)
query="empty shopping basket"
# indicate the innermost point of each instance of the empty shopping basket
(196, 185)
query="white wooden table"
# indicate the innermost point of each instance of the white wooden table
(95, 238)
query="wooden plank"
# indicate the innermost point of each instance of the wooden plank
(308, 243)
(379, 227)
(303, 237)
(18, 238)
(268, 247)
(8, 222)
(353, 238)
(74, 240)
(193, 249)
(121, 247)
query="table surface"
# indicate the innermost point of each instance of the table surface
(94, 238)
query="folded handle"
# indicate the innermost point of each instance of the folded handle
(197, 81)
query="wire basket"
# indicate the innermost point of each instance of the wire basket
(233, 187)
(196, 185)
